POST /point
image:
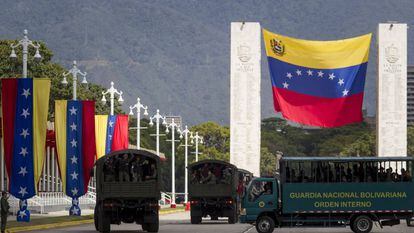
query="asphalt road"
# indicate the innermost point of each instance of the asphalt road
(179, 222)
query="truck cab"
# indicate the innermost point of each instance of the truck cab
(349, 192)
(261, 198)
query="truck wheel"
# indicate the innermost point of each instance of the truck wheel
(265, 224)
(95, 218)
(105, 222)
(233, 219)
(362, 224)
(195, 219)
(152, 227)
(144, 226)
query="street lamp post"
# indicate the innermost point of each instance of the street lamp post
(185, 132)
(25, 43)
(138, 107)
(157, 118)
(112, 91)
(196, 139)
(74, 72)
(173, 127)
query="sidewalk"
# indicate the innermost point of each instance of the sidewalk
(61, 219)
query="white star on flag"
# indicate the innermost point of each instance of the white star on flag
(110, 136)
(298, 72)
(25, 133)
(22, 214)
(111, 124)
(74, 191)
(75, 211)
(345, 92)
(23, 171)
(341, 82)
(310, 72)
(74, 143)
(74, 175)
(73, 111)
(74, 160)
(286, 85)
(75, 201)
(26, 92)
(23, 151)
(73, 126)
(23, 191)
(320, 73)
(23, 203)
(289, 75)
(25, 113)
(332, 76)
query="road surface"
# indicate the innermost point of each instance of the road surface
(179, 223)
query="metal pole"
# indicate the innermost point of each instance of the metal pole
(25, 51)
(53, 171)
(196, 147)
(75, 80)
(158, 134)
(112, 102)
(186, 165)
(173, 205)
(138, 127)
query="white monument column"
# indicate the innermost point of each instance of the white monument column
(245, 77)
(392, 90)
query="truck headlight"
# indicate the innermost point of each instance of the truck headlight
(243, 211)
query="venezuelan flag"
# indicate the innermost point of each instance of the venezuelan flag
(25, 104)
(111, 133)
(318, 83)
(75, 140)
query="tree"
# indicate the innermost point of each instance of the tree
(216, 141)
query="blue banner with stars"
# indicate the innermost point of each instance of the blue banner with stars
(74, 176)
(22, 185)
(110, 133)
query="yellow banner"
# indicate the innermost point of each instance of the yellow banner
(318, 54)
(41, 92)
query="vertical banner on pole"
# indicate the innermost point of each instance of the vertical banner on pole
(245, 96)
(392, 90)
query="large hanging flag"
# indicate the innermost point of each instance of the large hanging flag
(75, 139)
(111, 133)
(25, 104)
(318, 83)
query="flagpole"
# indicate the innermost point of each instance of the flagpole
(157, 134)
(74, 72)
(185, 132)
(138, 107)
(197, 140)
(25, 43)
(173, 127)
(112, 91)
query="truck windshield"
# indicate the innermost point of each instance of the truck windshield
(129, 168)
(259, 188)
(211, 173)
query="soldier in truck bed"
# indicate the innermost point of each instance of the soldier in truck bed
(109, 170)
(123, 168)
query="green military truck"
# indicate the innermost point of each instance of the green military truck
(332, 192)
(213, 190)
(127, 190)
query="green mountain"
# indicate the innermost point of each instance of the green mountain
(175, 54)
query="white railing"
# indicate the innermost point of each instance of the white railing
(165, 199)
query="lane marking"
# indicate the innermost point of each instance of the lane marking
(245, 231)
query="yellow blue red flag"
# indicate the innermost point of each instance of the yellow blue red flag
(318, 83)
